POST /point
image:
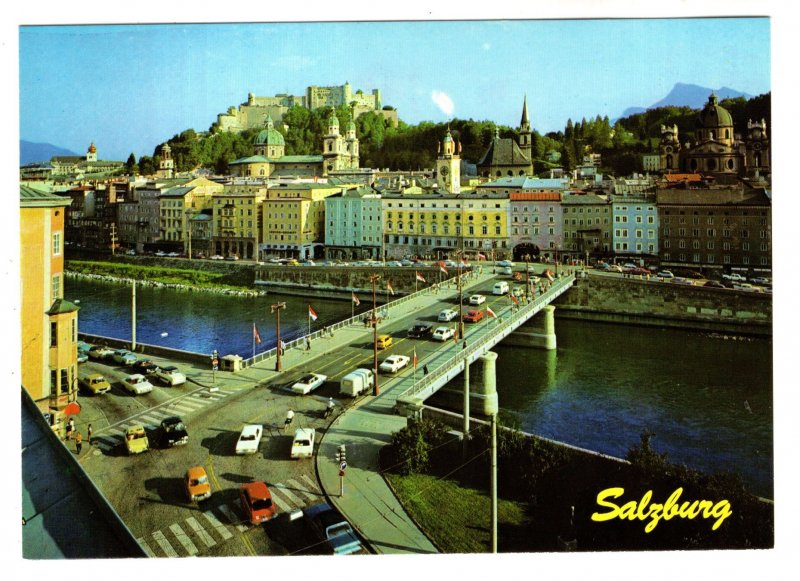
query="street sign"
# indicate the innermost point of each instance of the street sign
(343, 466)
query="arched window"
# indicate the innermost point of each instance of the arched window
(434, 229)
(497, 229)
(484, 230)
(727, 134)
(499, 173)
(422, 227)
(711, 164)
(669, 162)
(471, 230)
(758, 160)
(711, 135)
(730, 164)
(446, 229)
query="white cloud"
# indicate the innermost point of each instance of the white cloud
(444, 102)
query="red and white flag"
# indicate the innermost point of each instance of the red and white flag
(549, 275)
(256, 336)
(415, 357)
(420, 277)
(443, 269)
(389, 287)
(355, 299)
(490, 312)
(312, 313)
(514, 300)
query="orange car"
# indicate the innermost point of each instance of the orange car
(473, 316)
(197, 485)
(256, 502)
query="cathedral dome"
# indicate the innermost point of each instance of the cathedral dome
(270, 135)
(92, 148)
(713, 115)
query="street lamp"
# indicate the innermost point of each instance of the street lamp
(276, 308)
(374, 279)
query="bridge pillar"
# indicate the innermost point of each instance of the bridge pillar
(544, 339)
(483, 387)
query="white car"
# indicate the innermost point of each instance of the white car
(505, 263)
(137, 384)
(303, 443)
(308, 383)
(447, 315)
(249, 439)
(477, 299)
(443, 333)
(394, 363)
(217, 257)
(170, 375)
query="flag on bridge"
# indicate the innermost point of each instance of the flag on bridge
(549, 275)
(443, 269)
(256, 336)
(514, 300)
(415, 357)
(420, 278)
(490, 312)
(355, 299)
(389, 287)
(312, 313)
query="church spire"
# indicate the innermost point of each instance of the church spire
(524, 123)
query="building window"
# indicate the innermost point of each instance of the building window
(53, 383)
(53, 334)
(56, 287)
(56, 243)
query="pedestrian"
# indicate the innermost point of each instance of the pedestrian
(78, 442)
(425, 369)
(308, 343)
(465, 343)
(70, 428)
(89, 433)
(289, 418)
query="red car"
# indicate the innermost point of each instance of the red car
(256, 502)
(473, 316)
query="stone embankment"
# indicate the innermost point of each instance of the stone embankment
(168, 285)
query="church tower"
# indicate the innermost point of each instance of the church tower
(91, 153)
(756, 159)
(525, 143)
(669, 149)
(448, 165)
(166, 166)
(332, 147)
(351, 145)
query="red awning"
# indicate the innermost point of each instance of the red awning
(73, 408)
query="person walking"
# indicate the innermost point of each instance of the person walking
(289, 419)
(425, 369)
(70, 428)
(89, 433)
(308, 343)
(78, 442)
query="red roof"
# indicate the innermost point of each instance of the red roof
(683, 177)
(535, 196)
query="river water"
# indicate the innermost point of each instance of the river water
(707, 400)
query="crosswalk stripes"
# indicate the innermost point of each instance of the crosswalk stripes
(183, 539)
(218, 526)
(162, 541)
(311, 483)
(200, 532)
(226, 510)
(148, 551)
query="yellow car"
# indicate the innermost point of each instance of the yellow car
(384, 341)
(136, 440)
(197, 486)
(95, 384)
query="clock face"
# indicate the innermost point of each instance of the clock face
(444, 170)
(668, 149)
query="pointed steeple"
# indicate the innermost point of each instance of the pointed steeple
(524, 124)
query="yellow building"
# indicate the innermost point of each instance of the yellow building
(178, 204)
(294, 219)
(437, 224)
(236, 220)
(49, 323)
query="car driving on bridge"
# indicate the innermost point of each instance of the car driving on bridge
(443, 333)
(394, 363)
(447, 315)
(308, 383)
(473, 316)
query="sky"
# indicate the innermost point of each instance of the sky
(128, 88)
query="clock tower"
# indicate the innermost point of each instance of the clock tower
(448, 165)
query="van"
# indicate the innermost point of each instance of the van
(384, 341)
(356, 382)
(500, 288)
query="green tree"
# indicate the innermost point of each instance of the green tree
(131, 168)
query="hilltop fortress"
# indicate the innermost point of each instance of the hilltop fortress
(256, 110)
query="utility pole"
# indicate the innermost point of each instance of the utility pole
(374, 279)
(276, 308)
(494, 482)
(133, 316)
(113, 238)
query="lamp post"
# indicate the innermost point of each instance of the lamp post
(276, 308)
(374, 279)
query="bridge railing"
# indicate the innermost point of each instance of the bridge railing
(382, 311)
(477, 344)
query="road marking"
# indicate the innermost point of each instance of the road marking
(282, 487)
(148, 551)
(299, 489)
(221, 530)
(184, 408)
(164, 544)
(280, 503)
(152, 420)
(183, 539)
(312, 484)
(235, 520)
(200, 532)
(207, 397)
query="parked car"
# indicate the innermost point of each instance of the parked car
(420, 330)
(332, 528)
(170, 375)
(257, 502)
(713, 284)
(173, 254)
(447, 315)
(136, 440)
(681, 280)
(507, 271)
(196, 483)
(477, 299)
(407, 262)
(145, 366)
(303, 443)
(735, 277)
(614, 268)
(394, 363)
(217, 257)
(308, 383)
(160, 253)
(356, 382)
(443, 333)
(100, 352)
(505, 263)
(173, 432)
(394, 263)
(95, 384)
(232, 257)
(124, 356)
(82, 357)
(762, 280)
(473, 316)
(84, 347)
(665, 274)
(137, 384)
(249, 439)
(384, 341)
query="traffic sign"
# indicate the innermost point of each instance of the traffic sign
(343, 466)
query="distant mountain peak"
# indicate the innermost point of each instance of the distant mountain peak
(30, 152)
(688, 95)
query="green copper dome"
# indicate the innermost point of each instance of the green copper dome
(713, 115)
(270, 135)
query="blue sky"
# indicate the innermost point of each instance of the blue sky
(128, 88)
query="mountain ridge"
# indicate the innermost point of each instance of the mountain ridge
(688, 95)
(32, 152)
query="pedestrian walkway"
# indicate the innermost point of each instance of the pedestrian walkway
(216, 524)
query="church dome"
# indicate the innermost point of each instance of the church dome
(270, 135)
(92, 148)
(713, 115)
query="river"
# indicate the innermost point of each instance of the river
(707, 400)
